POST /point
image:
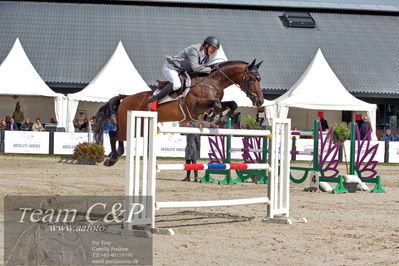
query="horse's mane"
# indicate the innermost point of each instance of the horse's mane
(220, 65)
(227, 63)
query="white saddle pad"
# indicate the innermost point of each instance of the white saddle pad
(168, 98)
(174, 97)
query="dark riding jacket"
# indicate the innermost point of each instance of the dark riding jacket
(190, 59)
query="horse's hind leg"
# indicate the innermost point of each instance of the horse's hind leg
(113, 156)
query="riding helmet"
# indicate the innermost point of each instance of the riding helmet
(213, 41)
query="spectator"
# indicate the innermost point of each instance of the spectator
(37, 126)
(260, 119)
(3, 125)
(388, 136)
(323, 122)
(366, 126)
(193, 148)
(12, 125)
(76, 124)
(27, 125)
(85, 125)
(18, 116)
(93, 122)
(359, 120)
(8, 120)
(53, 121)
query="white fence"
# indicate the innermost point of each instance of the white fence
(170, 145)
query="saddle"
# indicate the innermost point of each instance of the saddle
(179, 95)
(183, 81)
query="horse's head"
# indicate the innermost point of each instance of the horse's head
(251, 83)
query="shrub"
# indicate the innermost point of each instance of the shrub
(251, 123)
(341, 132)
(89, 153)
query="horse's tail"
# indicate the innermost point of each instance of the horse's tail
(104, 115)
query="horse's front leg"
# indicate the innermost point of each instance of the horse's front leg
(113, 156)
(214, 108)
(231, 106)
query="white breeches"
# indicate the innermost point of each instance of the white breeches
(172, 76)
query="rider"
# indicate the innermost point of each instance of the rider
(193, 58)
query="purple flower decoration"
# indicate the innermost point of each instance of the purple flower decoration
(218, 151)
(368, 157)
(328, 153)
(252, 143)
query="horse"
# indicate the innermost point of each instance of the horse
(204, 98)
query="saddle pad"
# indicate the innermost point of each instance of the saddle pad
(169, 98)
(174, 97)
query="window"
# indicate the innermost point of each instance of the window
(292, 19)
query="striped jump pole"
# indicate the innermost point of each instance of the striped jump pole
(213, 166)
(242, 174)
(141, 170)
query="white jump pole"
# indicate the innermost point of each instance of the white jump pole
(141, 145)
(214, 131)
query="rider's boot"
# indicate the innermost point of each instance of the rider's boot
(162, 93)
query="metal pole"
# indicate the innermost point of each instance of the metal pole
(386, 152)
(352, 151)
(90, 131)
(315, 145)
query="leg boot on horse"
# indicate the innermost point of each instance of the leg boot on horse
(113, 156)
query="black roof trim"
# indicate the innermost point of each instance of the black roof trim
(225, 6)
(66, 87)
(376, 95)
(274, 93)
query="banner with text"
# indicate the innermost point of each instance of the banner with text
(26, 142)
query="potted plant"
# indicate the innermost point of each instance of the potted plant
(88, 153)
(251, 123)
(341, 134)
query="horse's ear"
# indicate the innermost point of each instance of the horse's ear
(258, 64)
(252, 64)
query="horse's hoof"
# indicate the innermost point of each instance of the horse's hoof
(223, 120)
(209, 118)
(106, 163)
(110, 162)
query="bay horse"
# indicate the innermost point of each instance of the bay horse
(205, 97)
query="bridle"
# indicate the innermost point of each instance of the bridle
(248, 78)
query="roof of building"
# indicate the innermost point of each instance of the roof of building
(365, 5)
(70, 42)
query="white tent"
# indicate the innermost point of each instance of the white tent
(19, 79)
(320, 89)
(118, 76)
